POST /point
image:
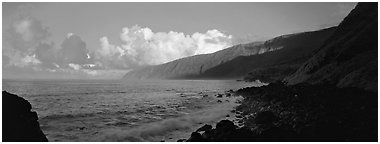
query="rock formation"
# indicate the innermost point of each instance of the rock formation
(20, 124)
(349, 57)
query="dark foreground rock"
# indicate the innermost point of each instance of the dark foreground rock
(302, 112)
(20, 124)
(312, 112)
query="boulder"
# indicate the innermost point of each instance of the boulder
(195, 137)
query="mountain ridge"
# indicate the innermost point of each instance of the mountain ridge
(349, 57)
(194, 67)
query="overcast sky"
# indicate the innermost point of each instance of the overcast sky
(105, 40)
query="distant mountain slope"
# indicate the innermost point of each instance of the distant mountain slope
(349, 57)
(228, 63)
(296, 49)
(196, 64)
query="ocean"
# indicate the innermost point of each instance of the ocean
(117, 110)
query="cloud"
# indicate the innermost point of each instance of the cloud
(75, 66)
(74, 50)
(25, 33)
(26, 45)
(142, 46)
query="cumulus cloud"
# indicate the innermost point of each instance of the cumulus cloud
(20, 41)
(74, 50)
(26, 45)
(142, 46)
(25, 33)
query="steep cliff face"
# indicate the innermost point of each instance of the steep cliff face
(20, 124)
(228, 64)
(295, 49)
(196, 64)
(349, 57)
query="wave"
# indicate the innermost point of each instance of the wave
(158, 130)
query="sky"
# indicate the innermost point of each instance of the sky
(106, 40)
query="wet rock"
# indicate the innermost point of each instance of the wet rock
(219, 95)
(225, 125)
(195, 137)
(204, 128)
(20, 124)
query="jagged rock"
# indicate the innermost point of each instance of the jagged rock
(204, 128)
(20, 124)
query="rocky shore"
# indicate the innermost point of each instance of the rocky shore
(331, 97)
(302, 112)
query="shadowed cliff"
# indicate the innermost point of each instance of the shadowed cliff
(349, 57)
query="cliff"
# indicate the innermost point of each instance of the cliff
(349, 57)
(237, 61)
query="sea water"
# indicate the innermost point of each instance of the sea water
(118, 110)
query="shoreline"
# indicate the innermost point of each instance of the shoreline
(303, 112)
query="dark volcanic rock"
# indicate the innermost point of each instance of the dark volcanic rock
(204, 128)
(305, 112)
(20, 124)
(196, 137)
(265, 117)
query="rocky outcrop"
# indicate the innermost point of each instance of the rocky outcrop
(20, 124)
(349, 57)
(302, 112)
(237, 61)
(312, 112)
